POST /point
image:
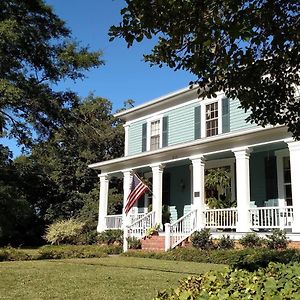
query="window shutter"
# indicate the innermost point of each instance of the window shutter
(165, 129)
(197, 122)
(144, 137)
(225, 115)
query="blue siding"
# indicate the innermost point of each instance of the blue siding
(135, 138)
(238, 116)
(181, 124)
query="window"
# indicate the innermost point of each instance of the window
(287, 180)
(154, 135)
(211, 115)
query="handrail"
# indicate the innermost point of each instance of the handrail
(179, 230)
(138, 228)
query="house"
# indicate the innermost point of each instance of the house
(174, 140)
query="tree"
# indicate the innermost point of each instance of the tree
(36, 52)
(91, 134)
(248, 49)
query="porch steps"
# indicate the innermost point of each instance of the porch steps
(154, 243)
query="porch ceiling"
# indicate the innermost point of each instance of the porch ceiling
(205, 146)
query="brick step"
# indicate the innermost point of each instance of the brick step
(154, 243)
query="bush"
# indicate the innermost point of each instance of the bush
(202, 239)
(65, 232)
(277, 240)
(277, 281)
(134, 243)
(110, 236)
(251, 240)
(253, 259)
(225, 242)
(72, 251)
(11, 254)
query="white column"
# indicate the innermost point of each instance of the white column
(157, 184)
(294, 147)
(242, 156)
(199, 189)
(127, 181)
(103, 199)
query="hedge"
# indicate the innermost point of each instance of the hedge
(59, 252)
(249, 259)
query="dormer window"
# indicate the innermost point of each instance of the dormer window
(211, 119)
(155, 135)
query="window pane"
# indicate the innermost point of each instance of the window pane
(211, 119)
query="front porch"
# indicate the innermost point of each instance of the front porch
(264, 187)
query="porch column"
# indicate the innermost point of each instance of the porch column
(242, 156)
(103, 199)
(127, 181)
(294, 147)
(157, 184)
(198, 166)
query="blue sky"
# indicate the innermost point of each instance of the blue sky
(125, 75)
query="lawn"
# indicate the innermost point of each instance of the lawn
(94, 278)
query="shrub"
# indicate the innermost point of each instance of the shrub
(65, 232)
(11, 254)
(277, 281)
(225, 242)
(277, 240)
(73, 251)
(251, 240)
(202, 239)
(110, 236)
(134, 243)
(253, 259)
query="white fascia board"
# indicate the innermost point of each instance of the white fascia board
(213, 141)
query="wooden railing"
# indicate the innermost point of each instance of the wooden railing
(139, 227)
(221, 218)
(271, 217)
(178, 231)
(114, 221)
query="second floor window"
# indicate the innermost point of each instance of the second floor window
(211, 112)
(154, 135)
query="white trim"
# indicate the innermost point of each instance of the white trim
(126, 129)
(203, 104)
(149, 121)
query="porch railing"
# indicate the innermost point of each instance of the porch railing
(139, 227)
(271, 217)
(114, 221)
(221, 218)
(178, 231)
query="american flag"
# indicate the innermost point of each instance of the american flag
(138, 189)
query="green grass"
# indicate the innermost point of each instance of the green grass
(93, 278)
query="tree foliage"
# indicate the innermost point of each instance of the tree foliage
(248, 49)
(54, 182)
(36, 52)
